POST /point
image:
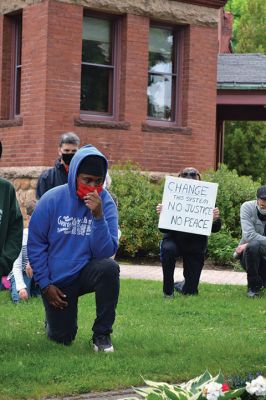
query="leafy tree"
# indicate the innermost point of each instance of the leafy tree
(251, 37)
(245, 141)
(249, 25)
(245, 148)
(235, 7)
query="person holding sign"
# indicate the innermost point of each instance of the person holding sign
(252, 247)
(187, 216)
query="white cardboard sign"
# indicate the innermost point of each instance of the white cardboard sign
(188, 205)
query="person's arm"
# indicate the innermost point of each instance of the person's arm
(248, 226)
(217, 223)
(18, 274)
(41, 186)
(104, 234)
(159, 208)
(37, 246)
(19, 262)
(21, 287)
(13, 241)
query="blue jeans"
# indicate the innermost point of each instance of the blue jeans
(31, 287)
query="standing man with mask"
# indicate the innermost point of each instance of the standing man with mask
(56, 176)
(73, 232)
(252, 247)
(11, 226)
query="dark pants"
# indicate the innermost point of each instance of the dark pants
(255, 264)
(192, 266)
(99, 276)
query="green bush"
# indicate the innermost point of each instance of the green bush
(137, 199)
(221, 246)
(233, 190)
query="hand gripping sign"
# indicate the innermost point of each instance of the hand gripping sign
(188, 205)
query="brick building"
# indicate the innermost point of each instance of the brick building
(135, 78)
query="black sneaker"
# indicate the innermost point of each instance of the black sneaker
(179, 286)
(102, 343)
(168, 296)
(253, 293)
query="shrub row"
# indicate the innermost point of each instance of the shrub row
(138, 196)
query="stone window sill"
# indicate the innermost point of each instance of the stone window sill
(123, 125)
(147, 127)
(7, 123)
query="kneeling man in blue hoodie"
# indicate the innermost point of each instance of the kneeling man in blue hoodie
(73, 233)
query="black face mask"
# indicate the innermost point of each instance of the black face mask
(67, 157)
(262, 217)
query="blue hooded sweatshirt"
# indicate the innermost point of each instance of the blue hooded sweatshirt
(64, 236)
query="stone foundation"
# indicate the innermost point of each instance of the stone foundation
(24, 181)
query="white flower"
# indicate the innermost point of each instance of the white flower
(212, 391)
(257, 386)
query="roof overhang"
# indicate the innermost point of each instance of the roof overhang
(241, 86)
(241, 104)
(228, 112)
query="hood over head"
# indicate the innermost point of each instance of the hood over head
(79, 156)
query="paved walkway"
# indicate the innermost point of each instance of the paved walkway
(152, 272)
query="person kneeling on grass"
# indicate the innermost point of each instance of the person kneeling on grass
(191, 247)
(252, 248)
(21, 277)
(73, 232)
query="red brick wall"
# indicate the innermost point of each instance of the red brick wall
(202, 95)
(64, 47)
(173, 151)
(51, 57)
(23, 145)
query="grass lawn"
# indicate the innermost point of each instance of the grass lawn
(221, 329)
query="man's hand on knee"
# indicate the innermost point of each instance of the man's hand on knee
(240, 248)
(55, 296)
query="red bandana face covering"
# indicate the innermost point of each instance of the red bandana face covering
(82, 189)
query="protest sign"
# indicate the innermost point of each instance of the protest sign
(188, 205)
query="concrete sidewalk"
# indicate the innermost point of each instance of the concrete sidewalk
(152, 272)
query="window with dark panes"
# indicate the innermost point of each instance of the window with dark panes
(98, 66)
(17, 67)
(162, 75)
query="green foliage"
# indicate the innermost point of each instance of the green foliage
(202, 387)
(251, 36)
(161, 340)
(221, 246)
(245, 141)
(235, 7)
(244, 148)
(137, 200)
(232, 192)
(249, 25)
